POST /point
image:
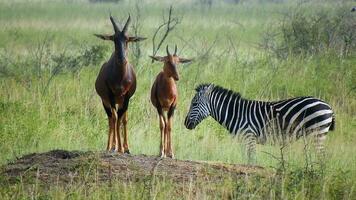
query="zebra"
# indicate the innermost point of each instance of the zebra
(255, 121)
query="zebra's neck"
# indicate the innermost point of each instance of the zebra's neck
(237, 114)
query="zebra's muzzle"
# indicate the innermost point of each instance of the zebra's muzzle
(188, 124)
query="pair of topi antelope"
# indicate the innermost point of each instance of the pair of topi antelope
(255, 121)
(116, 83)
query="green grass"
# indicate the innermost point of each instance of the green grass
(70, 115)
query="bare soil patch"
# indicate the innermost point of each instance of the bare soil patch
(63, 167)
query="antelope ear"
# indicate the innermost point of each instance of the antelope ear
(136, 39)
(158, 58)
(184, 60)
(105, 37)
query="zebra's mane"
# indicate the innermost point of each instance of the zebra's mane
(217, 88)
(202, 86)
(227, 91)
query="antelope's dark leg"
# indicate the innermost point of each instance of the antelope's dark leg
(111, 128)
(112, 109)
(162, 127)
(117, 139)
(165, 136)
(126, 144)
(110, 136)
(122, 117)
(169, 131)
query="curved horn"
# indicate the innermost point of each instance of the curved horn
(167, 50)
(175, 50)
(116, 28)
(124, 30)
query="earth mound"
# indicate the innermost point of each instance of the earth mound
(63, 167)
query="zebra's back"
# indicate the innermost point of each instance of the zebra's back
(303, 115)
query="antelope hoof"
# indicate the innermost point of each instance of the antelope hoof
(119, 151)
(112, 150)
(162, 155)
(127, 151)
(170, 155)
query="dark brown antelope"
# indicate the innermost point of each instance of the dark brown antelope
(115, 84)
(164, 97)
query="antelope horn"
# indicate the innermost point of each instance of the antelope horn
(116, 28)
(175, 50)
(124, 30)
(167, 50)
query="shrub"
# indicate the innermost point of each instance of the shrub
(44, 65)
(302, 33)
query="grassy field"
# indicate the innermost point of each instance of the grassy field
(48, 100)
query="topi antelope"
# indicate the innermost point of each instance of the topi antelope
(115, 84)
(164, 97)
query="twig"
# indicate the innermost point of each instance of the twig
(137, 28)
(270, 154)
(187, 43)
(170, 25)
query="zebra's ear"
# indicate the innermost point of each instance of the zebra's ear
(209, 90)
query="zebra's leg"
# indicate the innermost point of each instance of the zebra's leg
(320, 137)
(250, 142)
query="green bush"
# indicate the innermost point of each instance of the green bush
(303, 33)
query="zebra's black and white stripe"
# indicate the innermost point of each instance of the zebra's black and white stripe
(257, 120)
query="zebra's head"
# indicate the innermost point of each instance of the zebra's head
(200, 107)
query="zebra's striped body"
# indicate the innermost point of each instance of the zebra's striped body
(257, 120)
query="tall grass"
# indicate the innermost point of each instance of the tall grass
(69, 114)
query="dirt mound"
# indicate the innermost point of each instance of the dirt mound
(61, 167)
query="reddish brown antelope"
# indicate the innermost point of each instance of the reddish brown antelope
(115, 84)
(164, 97)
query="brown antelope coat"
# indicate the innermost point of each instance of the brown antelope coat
(164, 96)
(115, 84)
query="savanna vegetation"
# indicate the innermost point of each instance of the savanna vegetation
(264, 49)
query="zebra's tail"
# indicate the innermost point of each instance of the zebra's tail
(332, 126)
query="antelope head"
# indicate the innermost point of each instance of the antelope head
(170, 63)
(120, 38)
